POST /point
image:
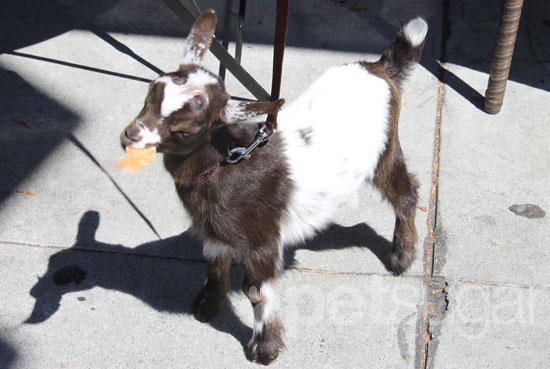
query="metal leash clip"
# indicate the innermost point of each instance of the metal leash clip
(239, 153)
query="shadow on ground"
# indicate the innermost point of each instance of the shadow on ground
(8, 355)
(29, 22)
(32, 126)
(165, 274)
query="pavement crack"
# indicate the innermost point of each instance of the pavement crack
(435, 299)
(363, 274)
(88, 249)
(436, 309)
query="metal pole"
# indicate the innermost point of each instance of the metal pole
(240, 27)
(226, 30)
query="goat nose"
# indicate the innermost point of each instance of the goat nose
(128, 135)
(132, 133)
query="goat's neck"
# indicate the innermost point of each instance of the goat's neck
(185, 169)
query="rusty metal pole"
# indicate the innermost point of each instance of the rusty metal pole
(502, 59)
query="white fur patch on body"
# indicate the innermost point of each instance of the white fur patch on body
(415, 31)
(215, 250)
(265, 310)
(334, 134)
(269, 295)
(176, 96)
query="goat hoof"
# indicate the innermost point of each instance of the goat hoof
(265, 347)
(206, 305)
(399, 262)
(263, 352)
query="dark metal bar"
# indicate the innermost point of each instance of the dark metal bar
(239, 72)
(219, 52)
(79, 66)
(226, 30)
(240, 27)
(502, 59)
(123, 48)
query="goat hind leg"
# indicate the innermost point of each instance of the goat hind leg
(400, 187)
(403, 252)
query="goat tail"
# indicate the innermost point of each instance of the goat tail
(405, 50)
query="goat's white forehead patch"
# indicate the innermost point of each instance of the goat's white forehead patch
(175, 96)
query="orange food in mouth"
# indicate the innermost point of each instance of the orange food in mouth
(137, 159)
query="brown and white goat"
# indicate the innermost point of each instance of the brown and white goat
(341, 132)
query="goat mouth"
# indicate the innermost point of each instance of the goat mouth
(138, 146)
(134, 142)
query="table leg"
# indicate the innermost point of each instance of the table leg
(504, 50)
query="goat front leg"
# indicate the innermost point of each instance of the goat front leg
(259, 286)
(213, 294)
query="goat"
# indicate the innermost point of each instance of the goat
(341, 132)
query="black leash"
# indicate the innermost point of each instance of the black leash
(236, 154)
(281, 31)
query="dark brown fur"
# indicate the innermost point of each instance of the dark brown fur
(241, 206)
(395, 183)
(213, 294)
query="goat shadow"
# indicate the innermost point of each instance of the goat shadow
(166, 274)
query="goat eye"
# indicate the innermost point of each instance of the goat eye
(198, 102)
(180, 134)
(179, 80)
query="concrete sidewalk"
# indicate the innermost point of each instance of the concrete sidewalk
(97, 269)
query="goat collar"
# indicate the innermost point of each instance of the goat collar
(237, 154)
(210, 172)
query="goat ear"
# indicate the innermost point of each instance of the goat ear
(199, 38)
(238, 111)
